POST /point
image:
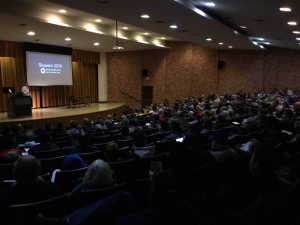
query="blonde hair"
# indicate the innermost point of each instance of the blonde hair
(98, 174)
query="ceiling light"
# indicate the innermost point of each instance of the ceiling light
(125, 28)
(285, 9)
(163, 38)
(31, 33)
(235, 32)
(292, 23)
(98, 20)
(261, 46)
(243, 27)
(200, 12)
(117, 47)
(62, 11)
(145, 16)
(173, 26)
(96, 43)
(210, 4)
(260, 39)
(255, 43)
(298, 39)
(220, 43)
(296, 32)
(266, 43)
(68, 39)
(146, 33)
(230, 47)
(208, 39)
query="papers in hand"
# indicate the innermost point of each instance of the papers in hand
(236, 123)
(245, 147)
(287, 132)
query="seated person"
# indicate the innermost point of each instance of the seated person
(164, 127)
(111, 153)
(193, 137)
(220, 122)
(125, 134)
(28, 187)
(29, 136)
(97, 176)
(249, 126)
(207, 125)
(176, 131)
(134, 126)
(110, 126)
(73, 136)
(44, 145)
(98, 131)
(59, 126)
(139, 147)
(11, 157)
(83, 144)
(8, 145)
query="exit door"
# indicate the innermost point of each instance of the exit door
(147, 96)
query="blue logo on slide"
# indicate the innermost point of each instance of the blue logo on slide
(43, 70)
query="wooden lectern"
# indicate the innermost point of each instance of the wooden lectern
(19, 106)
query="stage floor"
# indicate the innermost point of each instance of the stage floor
(63, 111)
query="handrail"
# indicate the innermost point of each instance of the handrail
(130, 96)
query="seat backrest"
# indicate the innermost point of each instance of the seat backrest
(87, 197)
(160, 137)
(164, 146)
(61, 144)
(50, 164)
(64, 178)
(125, 171)
(241, 139)
(90, 156)
(122, 152)
(6, 171)
(144, 164)
(101, 139)
(125, 143)
(54, 207)
(151, 131)
(47, 154)
(150, 138)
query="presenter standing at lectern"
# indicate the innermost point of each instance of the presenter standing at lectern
(25, 90)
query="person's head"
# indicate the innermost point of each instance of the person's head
(212, 112)
(11, 157)
(27, 169)
(250, 123)
(48, 125)
(176, 127)
(296, 105)
(73, 124)
(59, 125)
(230, 113)
(98, 174)
(111, 152)
(207, 123)
(6, 130)
(73, 134)
(26, 127)
(273, 125)
(108, 117)
(139, 139)
(124, 132)
(125, 122)
(194, 130)
(29, 136)
(101, 122)
(26, 84)
(108, 124)
(219, 140)
(85, 122)
(44, 136)
(73, 162)
(261, 119)
(264, 160)
(289, 113)
(220, 119)
(135, 122)
(98, 129)
(206, 113)
(83, 138)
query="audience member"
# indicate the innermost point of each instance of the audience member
(176, 131)
(139, 147)
(45, 145)
(29, 136)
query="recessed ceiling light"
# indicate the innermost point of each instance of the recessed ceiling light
(98, 20)
(220, 43)
(96, 43)
(146, 33)
(267, 43)
(254, 42)
(260, 39)
(261, 46)
(173, 26)
(125, 28)
(210, 4)
(208, 39)
(296, 32)
(68, 39)
(230, 47)
(235, 32)
(162, 38)
(298, 39)
(62, 11)
(292, 23)
(31, 33)
(145, 16)
(243, 27)
(285, 9)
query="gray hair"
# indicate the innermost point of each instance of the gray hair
(73, 133)
(224, 113)
(212, 112)
(99, 173)
(230, 113)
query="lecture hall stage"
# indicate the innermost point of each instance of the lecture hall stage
(64, 114)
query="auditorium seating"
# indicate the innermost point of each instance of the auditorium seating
(47, 154)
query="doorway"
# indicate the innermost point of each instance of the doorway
(147, 96)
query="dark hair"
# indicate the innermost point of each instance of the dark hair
(274, 123)
(111, 151)
(135, 122)
(207, 123)
(125, 131)
(44, 136)
(164, 125)
(83, 138)
(139, 139)
(48, 125)
(73, 124)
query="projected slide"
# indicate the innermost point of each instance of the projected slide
(44, 69)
